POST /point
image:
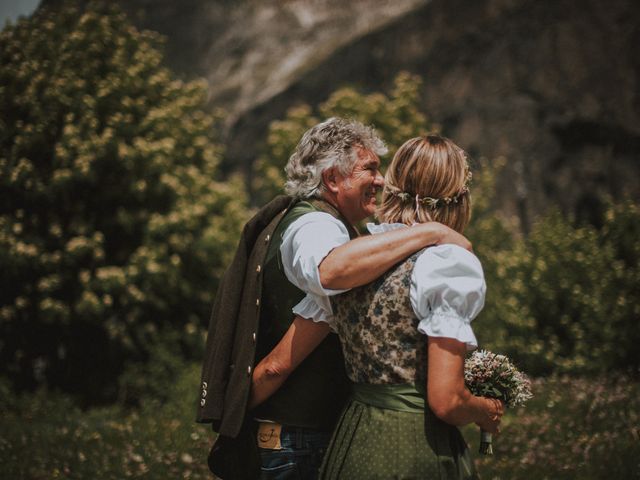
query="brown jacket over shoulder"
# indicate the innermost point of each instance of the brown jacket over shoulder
(231, 340)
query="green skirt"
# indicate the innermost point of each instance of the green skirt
(372, 442)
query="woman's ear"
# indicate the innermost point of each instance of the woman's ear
(329, 179)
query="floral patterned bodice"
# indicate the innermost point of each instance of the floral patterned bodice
(378, 330)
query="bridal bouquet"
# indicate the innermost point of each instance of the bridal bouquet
(487, 374)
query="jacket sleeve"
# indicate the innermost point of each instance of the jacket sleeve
(222, 325)
(223, 322)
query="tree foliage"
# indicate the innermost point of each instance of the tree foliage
(113, 225)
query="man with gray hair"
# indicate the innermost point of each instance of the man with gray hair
(300, 247)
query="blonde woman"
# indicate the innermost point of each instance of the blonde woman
(405, 335)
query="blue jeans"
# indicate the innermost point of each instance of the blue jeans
(300, 457)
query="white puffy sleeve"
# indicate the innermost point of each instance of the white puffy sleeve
(447, 292)
(316, 308)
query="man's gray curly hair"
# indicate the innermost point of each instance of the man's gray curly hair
(329, 144)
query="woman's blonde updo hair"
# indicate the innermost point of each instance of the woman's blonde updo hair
(427, 181)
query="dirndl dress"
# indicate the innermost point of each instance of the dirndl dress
(376, 438)
(386, 430)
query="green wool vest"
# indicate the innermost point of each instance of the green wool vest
(315, 393)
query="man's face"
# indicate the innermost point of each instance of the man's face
(356, 193)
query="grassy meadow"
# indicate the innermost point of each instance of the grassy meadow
(573, 428)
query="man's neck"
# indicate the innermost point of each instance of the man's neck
(330, 199)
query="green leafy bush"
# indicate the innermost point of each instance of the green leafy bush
(113, 225)
(565, 298)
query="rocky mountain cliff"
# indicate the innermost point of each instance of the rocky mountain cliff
(552, 86)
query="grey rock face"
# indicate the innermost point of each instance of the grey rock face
(253, 50)
(269, 45)
(552, 86)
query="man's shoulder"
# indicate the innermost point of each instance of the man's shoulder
(293, 209)
(313, 205)
(271, 209)
(318, 212)
(263, 218)
(302, 207)
(305, 211)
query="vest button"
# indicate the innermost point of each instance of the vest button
(266, 239)
(258, 268)
(202, 402)
(257, 302)
(249, 370)
(253, 336)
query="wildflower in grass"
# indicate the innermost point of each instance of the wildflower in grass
(491, 375)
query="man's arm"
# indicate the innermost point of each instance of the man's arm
(319, 258)
(300, 340)
(364, 259)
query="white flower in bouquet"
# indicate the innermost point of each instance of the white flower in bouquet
(491, 375)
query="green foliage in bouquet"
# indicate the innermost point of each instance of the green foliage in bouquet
(492, 375)
(114, 227)
(396, 117)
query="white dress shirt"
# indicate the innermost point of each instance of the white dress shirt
(305, 243)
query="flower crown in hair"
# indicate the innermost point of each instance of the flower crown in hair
(430, 202)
